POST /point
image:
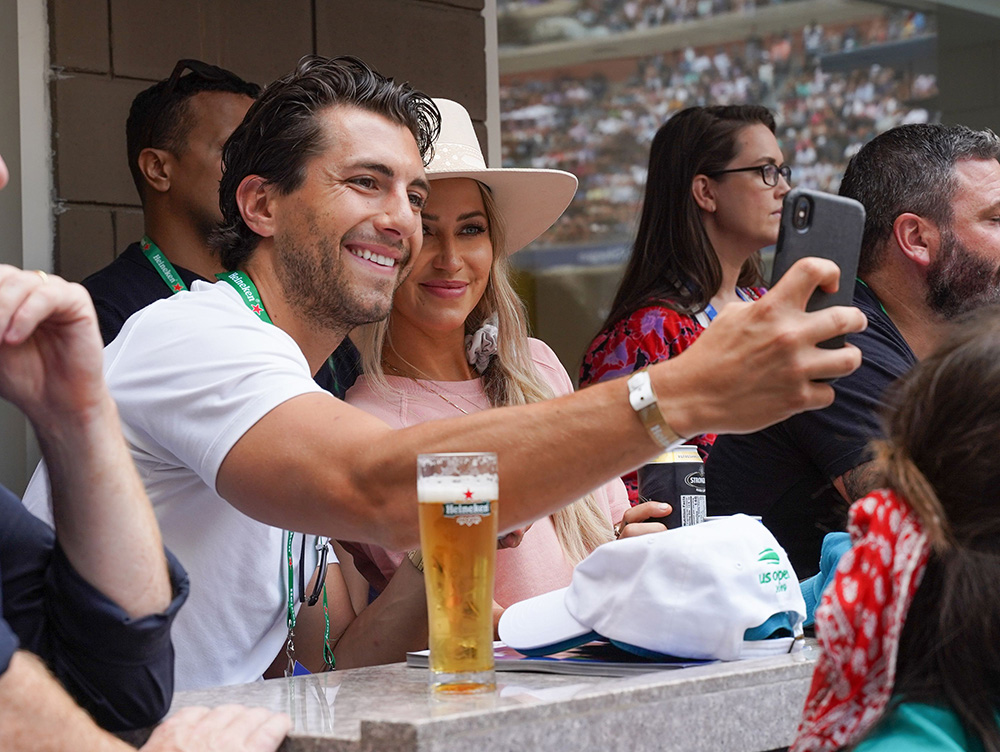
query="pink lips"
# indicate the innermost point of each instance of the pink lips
(445, 288)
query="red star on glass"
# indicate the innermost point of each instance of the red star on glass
(468, 494)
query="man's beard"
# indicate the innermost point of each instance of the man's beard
(959, 280)
(317, 287)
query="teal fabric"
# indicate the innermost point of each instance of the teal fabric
(835, 545)
(916, 727)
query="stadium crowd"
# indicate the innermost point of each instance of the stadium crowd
(600, 127)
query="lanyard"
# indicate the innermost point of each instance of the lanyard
(242, 283)
(712, 313)
(162, 265)
(248, 292)
(865, 285)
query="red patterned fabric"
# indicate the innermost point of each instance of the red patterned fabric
(859, 623)
(651, 334)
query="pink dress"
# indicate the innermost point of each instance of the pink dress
(538, 564)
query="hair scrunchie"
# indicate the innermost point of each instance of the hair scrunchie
(482, 344)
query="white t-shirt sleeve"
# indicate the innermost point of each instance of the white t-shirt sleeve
(192, 376)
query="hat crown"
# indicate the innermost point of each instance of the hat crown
(692, 591)
(457, 147)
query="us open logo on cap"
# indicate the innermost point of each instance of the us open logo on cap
(779, 577)
(467, 514)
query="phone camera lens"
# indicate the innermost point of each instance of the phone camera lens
(801, 213)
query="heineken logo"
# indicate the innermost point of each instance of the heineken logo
(237, 279)
(475, 508)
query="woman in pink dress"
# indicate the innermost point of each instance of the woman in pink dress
(456, 342)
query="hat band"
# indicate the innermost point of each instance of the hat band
(456, 157)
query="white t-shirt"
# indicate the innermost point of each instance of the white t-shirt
(191, 374)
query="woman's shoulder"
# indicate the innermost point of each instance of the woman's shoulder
(648, 335)
(918, 726)
(542, 354)
(549, 366)
(656, 319)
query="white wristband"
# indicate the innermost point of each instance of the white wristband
(643, 400)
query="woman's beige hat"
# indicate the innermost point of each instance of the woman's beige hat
(530, 201)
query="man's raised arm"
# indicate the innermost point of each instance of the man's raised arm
(316, 464)
(50, 367)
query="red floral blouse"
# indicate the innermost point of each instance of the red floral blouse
(651, 334)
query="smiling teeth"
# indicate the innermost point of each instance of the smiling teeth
(375, 258)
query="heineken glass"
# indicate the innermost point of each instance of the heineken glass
(458, 538)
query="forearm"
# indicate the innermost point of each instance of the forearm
(36, 714)
(103, 519)
(549, 453)
(335, 470)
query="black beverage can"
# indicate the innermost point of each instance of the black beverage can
(677, 477)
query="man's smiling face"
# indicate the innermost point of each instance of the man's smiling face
(345, 239)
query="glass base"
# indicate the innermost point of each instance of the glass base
(463, 683)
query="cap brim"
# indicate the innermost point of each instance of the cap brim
(542, 625)
(530, 201)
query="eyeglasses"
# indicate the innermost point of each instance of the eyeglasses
(322, 551)
(197, 68)
(769, 173)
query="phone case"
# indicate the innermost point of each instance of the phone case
(832, 230)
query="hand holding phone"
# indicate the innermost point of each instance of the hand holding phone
(826, 226)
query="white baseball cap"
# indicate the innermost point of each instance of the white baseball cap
(719, 590)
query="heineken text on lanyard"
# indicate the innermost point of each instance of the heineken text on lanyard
(242, 283)
(162, 265)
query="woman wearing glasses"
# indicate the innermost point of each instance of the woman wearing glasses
(713, 197)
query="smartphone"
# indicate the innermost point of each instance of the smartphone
(827, 226)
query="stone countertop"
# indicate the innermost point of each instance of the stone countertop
(745, 705)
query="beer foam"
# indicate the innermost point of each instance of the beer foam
(441, 489)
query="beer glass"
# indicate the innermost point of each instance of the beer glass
(457, 496)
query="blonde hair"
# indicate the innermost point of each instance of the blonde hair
(510, 378)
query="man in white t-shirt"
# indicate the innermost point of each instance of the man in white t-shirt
(322, 194)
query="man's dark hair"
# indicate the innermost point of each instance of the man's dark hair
(282, 132)
(158, 118)
(910, 168)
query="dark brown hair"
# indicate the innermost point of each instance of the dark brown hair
(672, 260)
(910, 168)
(282, 132)
(940, 455)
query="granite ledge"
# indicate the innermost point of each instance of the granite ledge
(746, 705)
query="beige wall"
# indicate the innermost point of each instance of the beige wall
(105, 51)
(968, 66)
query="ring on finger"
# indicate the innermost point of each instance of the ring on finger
(43, 275)
(619, 529)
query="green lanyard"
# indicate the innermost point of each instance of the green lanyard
(865, 285)
(248, 291)
(242, 283)
(162, 265)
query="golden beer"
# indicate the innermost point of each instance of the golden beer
(458, 538)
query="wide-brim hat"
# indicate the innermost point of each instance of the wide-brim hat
(721, 590)
(529, 200)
